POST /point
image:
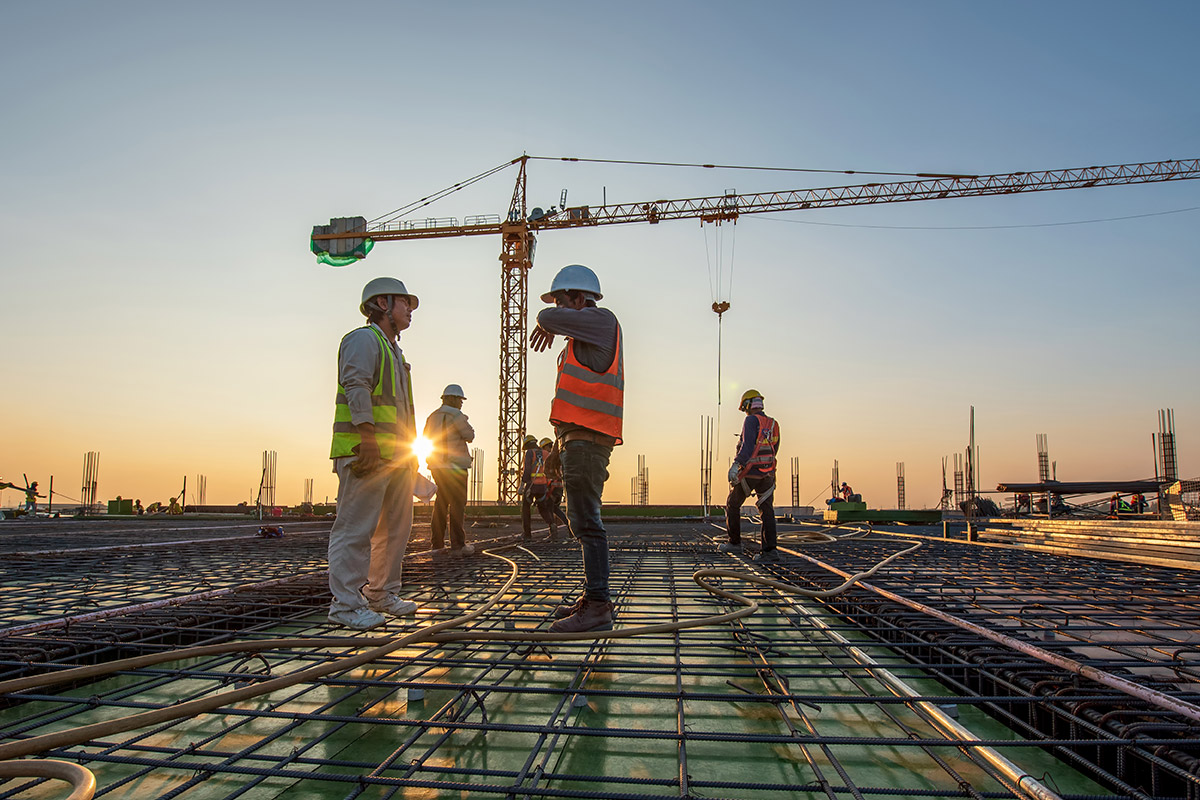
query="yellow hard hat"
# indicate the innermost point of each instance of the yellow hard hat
(750, 394)
(530, 439)
(546, 442)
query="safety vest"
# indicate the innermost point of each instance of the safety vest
(537, 477)
(346, 437)
(763, 458)
(593, 400)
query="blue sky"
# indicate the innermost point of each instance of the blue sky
(163, 165)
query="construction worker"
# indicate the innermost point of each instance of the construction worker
(373, 429)
(847, 492)
(587, 415)
(174, 507)
(534, 486)
(450, 432)
(31, 496)
(554, 482)
(753, 471)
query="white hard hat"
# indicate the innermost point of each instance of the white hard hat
(573, 277)
(380, 287)
(453, 390)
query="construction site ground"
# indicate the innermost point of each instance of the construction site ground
(888, 689)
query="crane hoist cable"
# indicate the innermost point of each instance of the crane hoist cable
(720, 285)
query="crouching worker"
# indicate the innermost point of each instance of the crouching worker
(753, 472)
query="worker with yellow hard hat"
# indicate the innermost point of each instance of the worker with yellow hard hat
(753, 472)
(373, 428)
(450, 432)
(535, 484)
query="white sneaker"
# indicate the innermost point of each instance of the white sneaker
(361, 619)
(394, 606)
(465, 550)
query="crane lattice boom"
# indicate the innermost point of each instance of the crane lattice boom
(518, 230)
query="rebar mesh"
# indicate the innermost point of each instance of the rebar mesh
(795, 701)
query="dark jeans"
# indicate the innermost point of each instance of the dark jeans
(764, 487)
(450, 506)
(585, 469)
(528, 500)
(553, 499)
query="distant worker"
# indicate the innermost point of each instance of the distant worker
(174, 508)
(587, 414)
(753, 471)
(534, 487)
(450, 432)
(843, 494)
(376, 468)
(1113, 502)
(137, 507)
(1138, 503)
(554, 482)
(31, 496)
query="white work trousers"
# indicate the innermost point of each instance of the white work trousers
(370, 534)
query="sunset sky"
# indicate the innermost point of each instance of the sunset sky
(163, 165)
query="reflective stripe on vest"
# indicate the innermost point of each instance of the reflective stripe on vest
(593, 400)
(763, 458)
(346, 437)
(537, 476)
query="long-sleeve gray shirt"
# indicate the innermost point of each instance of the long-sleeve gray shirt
(358, 372)
(594, 330)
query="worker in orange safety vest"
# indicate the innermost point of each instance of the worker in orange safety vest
(753, 471)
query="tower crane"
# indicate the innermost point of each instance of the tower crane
(349, 238)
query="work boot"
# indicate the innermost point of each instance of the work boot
(731, 547)
(767, 557)
(554, 533)
(592, 615)
(567, 609)
(465, 550)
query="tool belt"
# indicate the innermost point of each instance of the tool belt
(584, 435)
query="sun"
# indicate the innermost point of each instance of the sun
(422, 447)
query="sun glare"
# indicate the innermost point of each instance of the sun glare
(422, 447)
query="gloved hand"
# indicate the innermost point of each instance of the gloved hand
(735, 470)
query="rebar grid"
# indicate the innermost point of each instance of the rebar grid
(1141, 623)
(770, 706)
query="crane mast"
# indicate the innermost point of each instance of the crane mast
(516, 259)
(518, 240)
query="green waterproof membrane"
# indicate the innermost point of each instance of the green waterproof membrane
(798, 700)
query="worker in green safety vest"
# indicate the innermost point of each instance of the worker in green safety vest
(373, 433)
